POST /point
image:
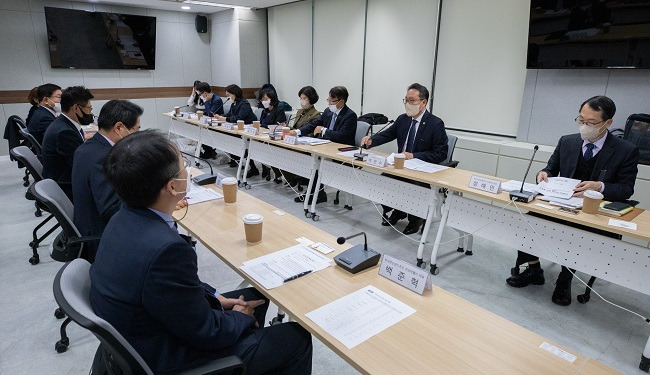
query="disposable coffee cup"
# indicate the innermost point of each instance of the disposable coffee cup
(177, 110)
(199, 114)
(253, 228)
(591, 201)
(256, 124)
(240, 124)
(399, 161)
(229, 187)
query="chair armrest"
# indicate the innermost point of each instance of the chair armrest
(229, 365)
(75, 240)
(450, 164)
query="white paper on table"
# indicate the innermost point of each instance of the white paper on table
(513, 185)
(358, 316)
(417, 165)
(199, 194)
(312, 141)
(304, 241)
(348, 154)
(573, 202)
(322, 247)
(559, 187)
(622, 224)
(272, 269)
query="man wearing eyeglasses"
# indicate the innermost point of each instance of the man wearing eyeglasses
(64, 135)
(602, 162)
(420, 135)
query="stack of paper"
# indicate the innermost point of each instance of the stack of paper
(558, 187)
(273, 269)
(571, 202)
(199, 194)
(513, 185)
(417, 165)
(312, 141)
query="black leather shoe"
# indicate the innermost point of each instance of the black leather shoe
(232, 164)
(396, 216)
(299, 199)
(531, 275)
(384, 221)
(412, 227)
(322, 197)
(562, 293)
(277, 180)
(265, 171)
(252, 172)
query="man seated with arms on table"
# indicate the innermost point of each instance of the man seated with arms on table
(602, 162)
(144, 279)
(49, 106)
(64, 135)
(213, 106)
(95, 201)
(420, 135)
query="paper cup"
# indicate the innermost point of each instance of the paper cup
(399, 161)
(199, 114)
(256, 124)
(229, 187)
(253, 228)
(240, 124)
(591, 201)
(177, 110)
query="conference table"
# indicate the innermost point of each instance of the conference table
(446, 334)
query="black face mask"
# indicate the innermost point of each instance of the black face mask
(86, 118)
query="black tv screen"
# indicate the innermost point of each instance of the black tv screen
(589, 34)
(97, 40)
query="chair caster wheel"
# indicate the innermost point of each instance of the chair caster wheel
(248, 186)
(469, 252)
(460, 250)
(308, 214)
(277, 180)
(434, 269)
(645, 363)
(514, 271)
(300, 188)
(60, 347)
(26, 183)
(349, 208)
(38, 213)
(34, 260)
(239, 184)
(315, 218)
(583, 298)
(336, 201)
(419, 263)
(277, 320)
(268, 178)
(59, 314)
(31, 244)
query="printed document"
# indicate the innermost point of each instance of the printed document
(357, 317)
(272, 269)
(558, 187)
(199, 194)
(312, 141)
(417, 164)
(513, 185)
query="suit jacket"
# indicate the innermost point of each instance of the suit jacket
(40, 120)
(30, 113)
(241, 110)
(272, 117)
(144, 282)
(213, 106)
(616, 165)
(60, 141)
(430, 139)
(345, 127)
(95, 201)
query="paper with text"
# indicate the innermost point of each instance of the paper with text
(199, 194)
(358, 316)
(417, 165)
(558, 187)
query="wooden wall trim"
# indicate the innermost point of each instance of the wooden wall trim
(20, 96)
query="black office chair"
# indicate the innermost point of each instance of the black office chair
(18, 124)
(31, 142)
(68, 245)
(637, 131)
(72, 293)
(24, 155)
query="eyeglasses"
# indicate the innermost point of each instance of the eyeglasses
(580, 121)
(86, 106)
(332, 101)
(412, 101)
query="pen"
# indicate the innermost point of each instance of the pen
(297, 276)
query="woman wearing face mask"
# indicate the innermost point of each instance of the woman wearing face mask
(49, 107)
(240, 109)
(307, 112)
(195, 100)
(32, 98)
(272, 114)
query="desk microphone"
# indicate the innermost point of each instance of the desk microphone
(358, 257)
(218, 108)
(205, 178)
(521, 195)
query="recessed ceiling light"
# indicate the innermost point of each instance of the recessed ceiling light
(211, 4)
(185, 7)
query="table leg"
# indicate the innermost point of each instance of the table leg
(425, 232)
(197, 150)
(312, 212)
(434, 253)
(239, 167)
(645, 358)
(311, 184)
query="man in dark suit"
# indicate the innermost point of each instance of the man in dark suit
(213, 107)
(49, 100)
(144, 279)
(64, 135)
(338, 122)
(420, 135)
(95, 201)
(602, 162)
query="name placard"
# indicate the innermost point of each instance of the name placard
(251, 131)
(229, 126)
(407, 275)
(376, 160)
(485, 184)
(290, 139)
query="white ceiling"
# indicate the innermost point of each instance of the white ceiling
(175, 5)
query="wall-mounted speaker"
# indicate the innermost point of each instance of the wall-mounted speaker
(201, 23)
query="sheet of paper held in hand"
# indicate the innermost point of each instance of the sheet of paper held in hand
(558, 187)
(358, 316)
(199, 194)
(272, 269)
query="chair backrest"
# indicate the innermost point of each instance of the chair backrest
(18, 121)
(451, 145)
(637, 131)
(34, 145)
(50, 194)
(27, 157)
(226, 106)
(72, 293)
(362, 131)
(258, 113)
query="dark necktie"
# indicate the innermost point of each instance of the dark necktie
(590, 151)
(411, 138)
(333, 122)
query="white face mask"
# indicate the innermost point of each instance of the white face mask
(266, 103)
(57, 108)
(411, 109)
(304, 104)
(188, 182)
(589, 133)
(333, 108)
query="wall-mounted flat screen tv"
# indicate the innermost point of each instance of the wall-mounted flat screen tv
(97, 40)
(581, 34)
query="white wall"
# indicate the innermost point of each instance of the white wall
(225, 48)
(482, 64)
